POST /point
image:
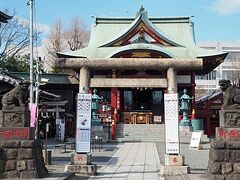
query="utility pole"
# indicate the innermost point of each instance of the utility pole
(31, 50)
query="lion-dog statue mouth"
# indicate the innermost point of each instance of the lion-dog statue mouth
(224, 84)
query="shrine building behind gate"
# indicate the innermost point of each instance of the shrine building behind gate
(133, 61)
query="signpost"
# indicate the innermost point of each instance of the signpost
(83, 134)
(171, 123)
(195, 140)
(81, 160)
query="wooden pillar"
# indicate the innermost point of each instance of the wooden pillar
(114, 111)
(208, 118)
(113, 99)
(193, 85)
(84, 80)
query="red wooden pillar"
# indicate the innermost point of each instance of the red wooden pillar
(113, 99)
(193, 84)
(90, 91)
(209, 128)
(114, 111)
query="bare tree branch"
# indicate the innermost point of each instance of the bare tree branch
(14, 39)
(64, 40)
(77, 36)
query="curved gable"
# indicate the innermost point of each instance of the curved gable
(141, 30)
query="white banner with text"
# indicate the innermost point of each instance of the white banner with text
(171, 123)
(83, 134)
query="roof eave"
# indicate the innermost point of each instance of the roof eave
(66, 55)
(4, 17)
(211, 62)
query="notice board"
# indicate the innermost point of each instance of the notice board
(83, 134)
(171, 123)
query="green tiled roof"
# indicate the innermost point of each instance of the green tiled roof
(178, 30)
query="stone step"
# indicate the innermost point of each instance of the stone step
(137, 140)
(149, 133)
(140, 132)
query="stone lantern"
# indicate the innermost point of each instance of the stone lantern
(95, 104)
(185, 100)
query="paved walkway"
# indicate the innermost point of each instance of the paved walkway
(132, 161)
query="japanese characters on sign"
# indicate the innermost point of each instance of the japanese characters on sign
(14, 133)
(83, 134)
(171, 123)
(228, 133)
(195, 140)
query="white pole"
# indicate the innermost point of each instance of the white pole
(31, 51)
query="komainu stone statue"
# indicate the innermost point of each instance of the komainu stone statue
(224, 153)
(231, 95)
(18, 96)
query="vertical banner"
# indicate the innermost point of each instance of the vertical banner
(118, 100)
(83, 133)
(171, 123)
(33, 109)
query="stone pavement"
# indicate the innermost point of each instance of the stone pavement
(137, 160)
(133, 161)
(60, 159)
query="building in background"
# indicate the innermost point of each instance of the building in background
(229, 69)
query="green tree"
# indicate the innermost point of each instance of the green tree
(18, 63)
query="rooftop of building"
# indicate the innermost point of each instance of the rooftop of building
(4, 17)
(172, 36)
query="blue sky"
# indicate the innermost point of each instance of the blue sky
(215, 20)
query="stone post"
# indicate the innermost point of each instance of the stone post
(172, 80)
(174, 163)
(81, 159)
(84, 79)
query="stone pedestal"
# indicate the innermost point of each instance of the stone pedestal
(229, 118)
(224, 160)
(21, 159)
(174, 165)
(15, 117)
(174, 160)
(81, 158)
(185, 129)
(20, 155)
(224, 154)
(81, 163)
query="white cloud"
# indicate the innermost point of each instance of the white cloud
(226, 6)
(43, 28)
(39, 26)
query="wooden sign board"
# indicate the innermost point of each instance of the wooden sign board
(195, 140)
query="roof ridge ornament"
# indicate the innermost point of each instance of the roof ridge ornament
(142, 11)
